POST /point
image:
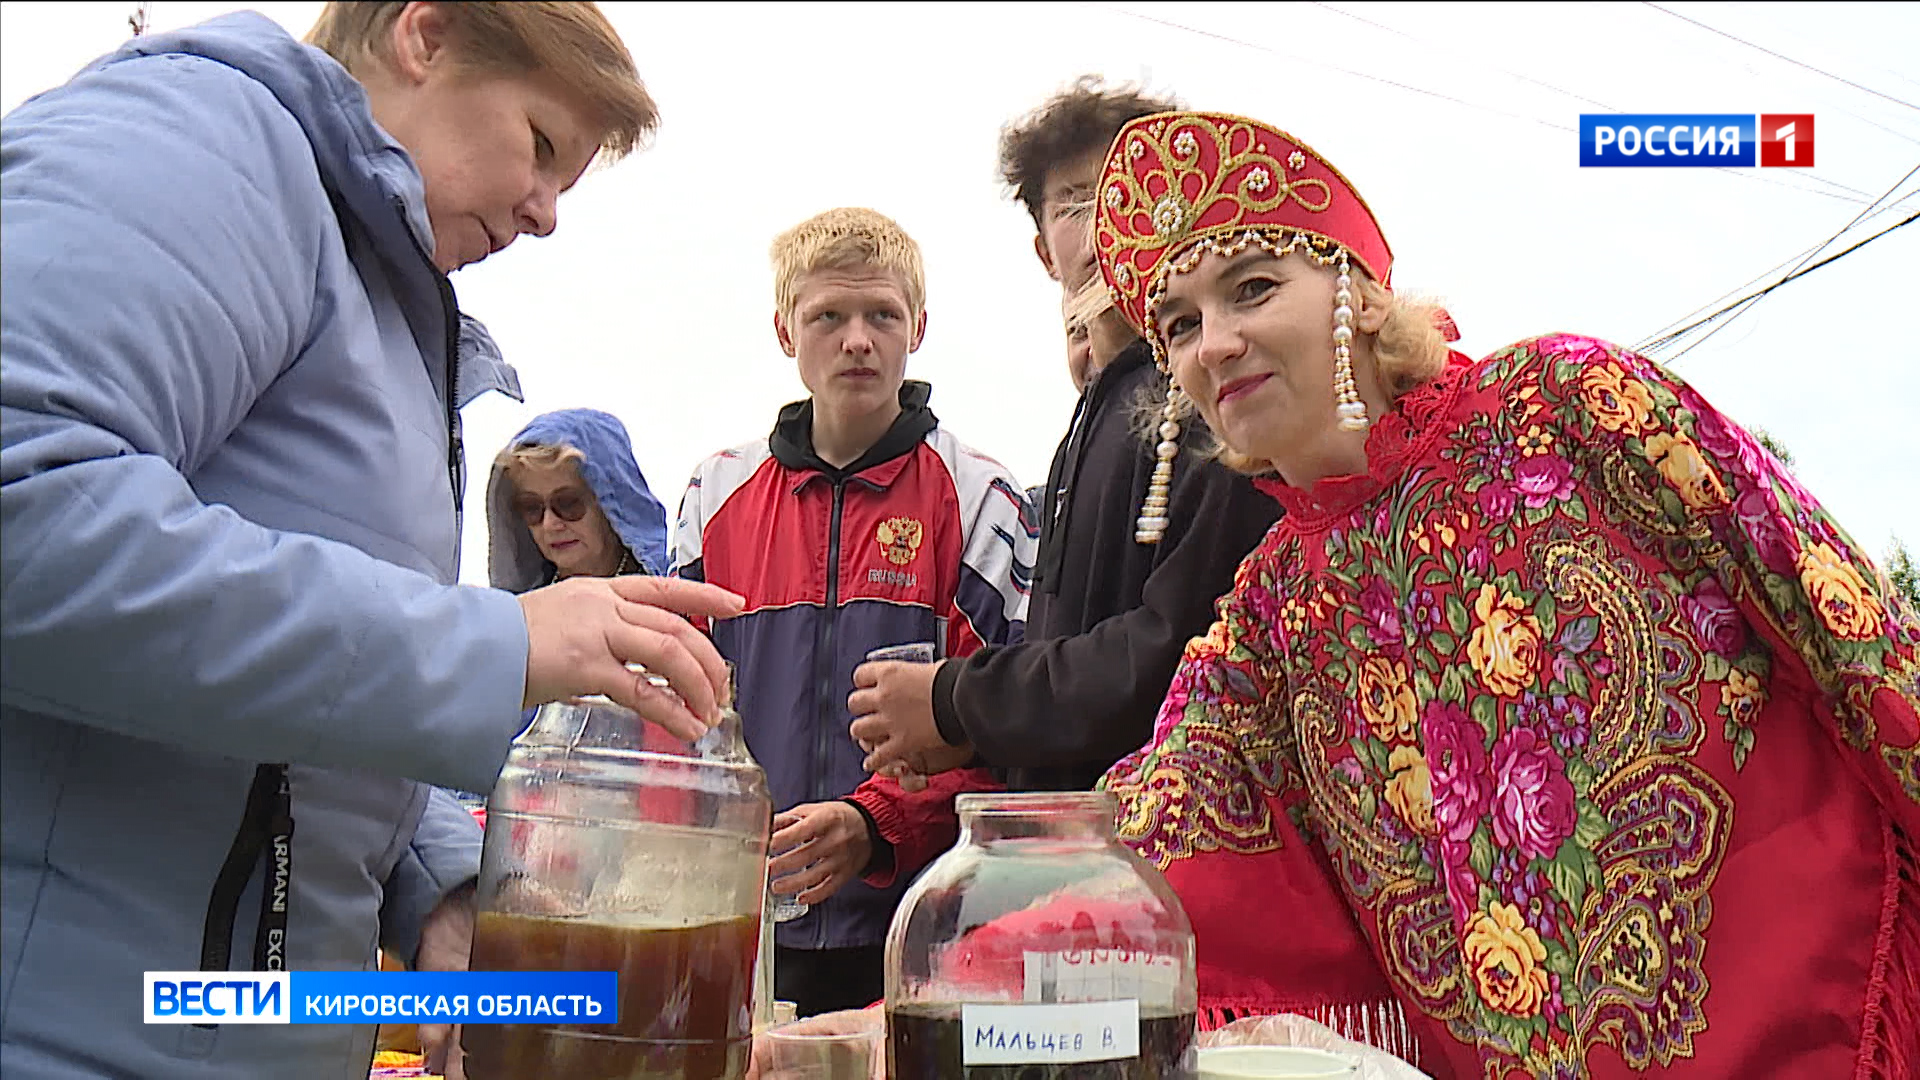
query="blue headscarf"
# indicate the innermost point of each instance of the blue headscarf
(514, 563)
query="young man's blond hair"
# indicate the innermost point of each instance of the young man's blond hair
(839, 239)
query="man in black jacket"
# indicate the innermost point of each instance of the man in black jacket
(1109, 616)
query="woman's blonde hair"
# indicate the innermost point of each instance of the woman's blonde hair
(844, 238)
(537, 456)
(571, 42)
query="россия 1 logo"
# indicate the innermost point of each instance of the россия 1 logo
(1680, 140)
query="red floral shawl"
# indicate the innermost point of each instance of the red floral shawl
(1576, 719)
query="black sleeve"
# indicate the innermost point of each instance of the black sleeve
(879, 848)
(1093, 697)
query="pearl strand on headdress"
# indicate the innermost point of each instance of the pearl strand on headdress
(1353, 411)
(1153, 520)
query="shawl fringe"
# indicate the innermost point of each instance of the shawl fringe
(1890, 1032)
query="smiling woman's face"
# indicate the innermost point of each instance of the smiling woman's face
(1250, 340)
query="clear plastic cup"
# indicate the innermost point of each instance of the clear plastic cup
(794, 1053)
(787, 907)
(918, 652)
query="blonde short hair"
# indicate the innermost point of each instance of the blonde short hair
(571, 42)
(537, 456)
(844, 238)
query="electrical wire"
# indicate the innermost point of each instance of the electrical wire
(1746, 303)
(1677, 327)
(1562, 91)
(1856, 197)
(1781, 56)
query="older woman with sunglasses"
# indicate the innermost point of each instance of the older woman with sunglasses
(567, 499)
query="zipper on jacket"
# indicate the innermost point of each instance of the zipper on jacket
(450, 311)
(823, 654)
(456, 453)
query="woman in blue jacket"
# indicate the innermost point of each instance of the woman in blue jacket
(235, 657)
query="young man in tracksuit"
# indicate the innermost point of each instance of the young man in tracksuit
(1109, 615)
(859, 523)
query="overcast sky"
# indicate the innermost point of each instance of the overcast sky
(1457, 123)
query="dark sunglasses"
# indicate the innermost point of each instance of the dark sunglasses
(568, 505)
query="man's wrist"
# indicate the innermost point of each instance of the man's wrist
(946, 711)
(879, 848)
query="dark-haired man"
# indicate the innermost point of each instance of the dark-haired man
(1109, 615)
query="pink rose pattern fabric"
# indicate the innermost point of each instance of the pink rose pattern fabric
(1497, 561)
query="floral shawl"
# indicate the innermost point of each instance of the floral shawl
(1579, 720)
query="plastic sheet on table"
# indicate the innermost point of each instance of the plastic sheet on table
(1291, 1030)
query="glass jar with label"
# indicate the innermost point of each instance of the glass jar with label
(1040, 948)
(613, 845)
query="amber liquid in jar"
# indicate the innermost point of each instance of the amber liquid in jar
(684, 996)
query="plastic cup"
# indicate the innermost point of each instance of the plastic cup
(1275, 1063)
(796, 1055)
(783, 907)
(918, 652)
(786, 908)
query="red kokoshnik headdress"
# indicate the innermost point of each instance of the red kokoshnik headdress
(1173, 178)
(1179, 186)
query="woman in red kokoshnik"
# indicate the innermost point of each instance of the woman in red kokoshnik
(1554, 711)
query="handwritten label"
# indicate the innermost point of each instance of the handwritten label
(1049, 1034)
(1102, 975)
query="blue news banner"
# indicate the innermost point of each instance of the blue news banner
(381, 997)
(1670, 140)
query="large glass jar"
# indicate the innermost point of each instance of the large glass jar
(613, 845)
(1040, 948)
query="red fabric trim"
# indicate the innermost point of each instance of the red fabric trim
(921, 824)
(1396, 440)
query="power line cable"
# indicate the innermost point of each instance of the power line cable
(1856, 218)
(1675, 328)
(1667, 338)
(1754, 300)
(1344, 71)
(1429, 41)
(1857, 195)
(1423, 40)
(1746, 303)
(1781, 56)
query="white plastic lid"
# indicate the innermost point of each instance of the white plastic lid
(1274, 1063)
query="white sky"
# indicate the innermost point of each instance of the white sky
(653, 300)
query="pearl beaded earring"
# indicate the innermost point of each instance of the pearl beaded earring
(1153, 520)
(1353, 411)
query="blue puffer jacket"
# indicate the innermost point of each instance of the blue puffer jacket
(514, 562)
(229, 491)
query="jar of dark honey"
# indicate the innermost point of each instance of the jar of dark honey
(613, 845)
